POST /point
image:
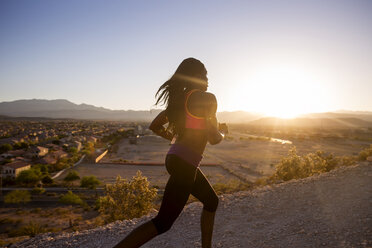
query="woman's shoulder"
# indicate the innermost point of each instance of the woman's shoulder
(205, 96)
(204, 100)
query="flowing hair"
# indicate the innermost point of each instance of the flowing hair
(189, 75)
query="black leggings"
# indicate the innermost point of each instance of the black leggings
(184, 180)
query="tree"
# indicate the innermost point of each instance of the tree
(21, 145)
(71, 176)
(17, 197)
(42, 167)
(5, 148)
(29, 177)
(47, 180)
(88, 149)
(72, 150)
(127, 199)
(89, 182)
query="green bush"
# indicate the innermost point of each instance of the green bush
(294, 166)
(71, 198)
(89, 182)
(29, 177)
(47, 180)
(18, 196)
(38, 191)
(127, 199)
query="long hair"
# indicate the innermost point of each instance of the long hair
(190, 74)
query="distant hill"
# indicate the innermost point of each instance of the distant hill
(237, 116)
(363, 115)
(65, 109)
(313, 122)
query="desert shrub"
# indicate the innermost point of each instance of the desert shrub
(127, 199)
(348, 160)
(8, 221)
(230, 187)
(17, 197)
(89, 182)
(294, 166)
(71, 198)
(38, 191)
(262, 181)
(30, 229)
(70, 177)
(363, 154)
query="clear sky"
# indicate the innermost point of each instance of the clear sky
(276, 57)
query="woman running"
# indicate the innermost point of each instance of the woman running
(191, 117)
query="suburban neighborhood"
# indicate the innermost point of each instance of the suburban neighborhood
(50, 144)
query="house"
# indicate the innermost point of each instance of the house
(48, 159)
(77, 145)
(54, 147)
(17, 153)
(39, 151)
(59, 154)
(14, 168)
(92, 139)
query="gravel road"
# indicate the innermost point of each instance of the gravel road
(329, 210)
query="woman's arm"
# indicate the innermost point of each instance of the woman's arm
(213, 135)
(157, 126)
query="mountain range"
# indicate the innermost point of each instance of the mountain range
(64, 109)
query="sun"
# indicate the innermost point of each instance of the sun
(280, 90)
(283, 114)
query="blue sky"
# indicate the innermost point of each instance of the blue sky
(263, 56)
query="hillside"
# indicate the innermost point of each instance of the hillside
(344, 122)
(65, 109)
(329, 210)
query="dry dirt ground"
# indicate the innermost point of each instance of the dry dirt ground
(328, 210)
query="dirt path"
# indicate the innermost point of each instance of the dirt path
(328, 210)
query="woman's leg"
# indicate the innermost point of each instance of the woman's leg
(139, 236)
(204, 192)
(176, 194)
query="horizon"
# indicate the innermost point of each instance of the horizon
(340, 111)
(280, 59)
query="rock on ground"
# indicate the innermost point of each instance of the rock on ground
(329, 210)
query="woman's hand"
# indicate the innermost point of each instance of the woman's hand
(157, 126)
(222, 127)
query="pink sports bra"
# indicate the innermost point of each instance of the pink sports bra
(192, 121)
